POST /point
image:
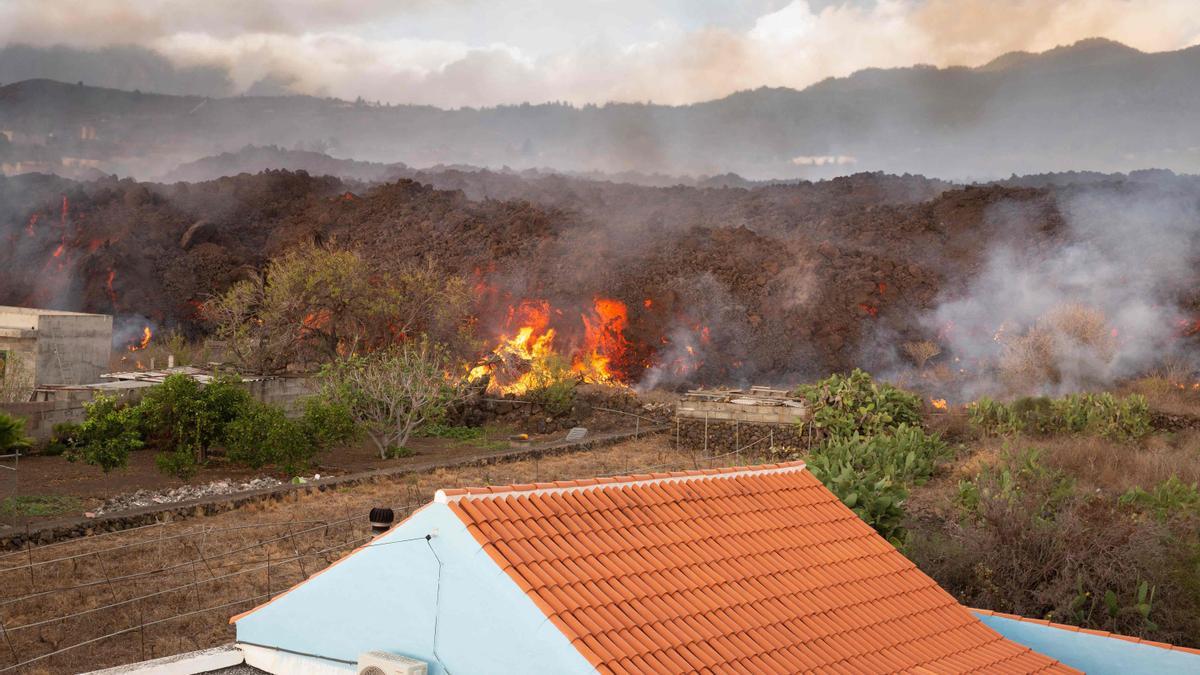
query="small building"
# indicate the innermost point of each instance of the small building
(54, 347)
(749, 570)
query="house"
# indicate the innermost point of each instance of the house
(54, 347)
(756, 570)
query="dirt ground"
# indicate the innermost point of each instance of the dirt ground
(85, 487)
(170, 588)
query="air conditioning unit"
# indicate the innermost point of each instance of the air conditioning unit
(386, 663)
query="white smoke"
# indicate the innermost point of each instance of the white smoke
(1125, 251)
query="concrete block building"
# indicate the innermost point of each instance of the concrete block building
(54, 347)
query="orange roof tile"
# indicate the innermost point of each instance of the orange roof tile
(747, 569)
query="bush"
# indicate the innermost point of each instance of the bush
(108, 433)
(552, 385)
(871, 474)
(183, 416)
(180, 463)
(854, 404)
(1069, 343)
(461, 434)
(874, 497)
(908, 455)
(1028, 542)
(12, 433)
(1099, 414)
(262, 434)
(1167, 499)
(328, 423)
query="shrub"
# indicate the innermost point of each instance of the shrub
(461, 434)
(181, 415)
(1029, 543)
(855, 404)
(907, 455)
(64, 438)
(392, 392)
(921, 351)
(875, 498)
(1068, 342)
(1099, 414)
(328, 423)
(180, 463)
(1165, 500)
(108, 433)
(12, 433)
(262, 434)
(552, 385)
(1017, 477)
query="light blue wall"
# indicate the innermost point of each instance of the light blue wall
(1094, 654)
(384, 598)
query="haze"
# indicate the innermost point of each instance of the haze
(476, 53)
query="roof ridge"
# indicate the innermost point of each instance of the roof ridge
(1090, 631)
(451, 494)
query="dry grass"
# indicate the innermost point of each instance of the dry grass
(217, 561)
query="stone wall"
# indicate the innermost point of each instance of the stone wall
(722, 437)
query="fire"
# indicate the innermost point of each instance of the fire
(939, 403)
(59, 251)
(869, 309)
(604, 340)
(108, 284)
(144, 342)
(526, 353)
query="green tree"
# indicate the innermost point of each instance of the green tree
(186, 418)
(108, 433)
(392, 392)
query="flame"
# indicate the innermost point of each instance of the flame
(604, 341)
(869, 309)
(526, 352)
(143, 343)
(108, 284)
(59, 251)
(647, 303)
(939, 403)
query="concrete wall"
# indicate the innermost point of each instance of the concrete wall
(73, 349)
(68, 347)
(41, 416)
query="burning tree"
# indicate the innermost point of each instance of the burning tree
(392, 392)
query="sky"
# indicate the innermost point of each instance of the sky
(454, 53)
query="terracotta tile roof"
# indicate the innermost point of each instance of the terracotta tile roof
(1077, 629)
(755, 570)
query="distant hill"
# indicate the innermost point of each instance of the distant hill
(1095, 106)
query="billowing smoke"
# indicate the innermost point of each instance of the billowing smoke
(1092, 303)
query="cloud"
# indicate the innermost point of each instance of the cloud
(469, 52)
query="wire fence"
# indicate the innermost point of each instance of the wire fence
(182, 567)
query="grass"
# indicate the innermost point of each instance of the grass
(38, 506)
